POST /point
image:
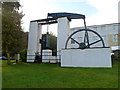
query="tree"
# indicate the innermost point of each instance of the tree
(11, 28)
(24, 40)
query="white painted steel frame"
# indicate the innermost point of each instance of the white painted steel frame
(97, 57)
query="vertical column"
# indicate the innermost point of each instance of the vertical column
(39, 34)
(63, 33)
(33, 41)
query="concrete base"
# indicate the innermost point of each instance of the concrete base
(30, 58)
(97, 57)
(46, 55)
(53, 59)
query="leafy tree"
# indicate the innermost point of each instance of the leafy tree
(11, 28)
(24, 40)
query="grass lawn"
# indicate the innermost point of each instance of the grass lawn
(45, 75)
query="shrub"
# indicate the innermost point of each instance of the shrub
(23, 55)
(118, 57)
(115, 58)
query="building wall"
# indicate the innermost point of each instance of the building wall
(109, 33)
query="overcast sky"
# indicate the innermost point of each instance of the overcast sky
(96, 11)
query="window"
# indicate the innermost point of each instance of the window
(114, 27)
(115, 38)
(103, 27)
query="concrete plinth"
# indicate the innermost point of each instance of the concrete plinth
(96, 57)
(46, 55)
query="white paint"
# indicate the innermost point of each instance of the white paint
(39, 36)
(46, 55)
(63, 33)
(33, 41)
(17, 57)
(97, 57)
(115, 48)
(53, 59)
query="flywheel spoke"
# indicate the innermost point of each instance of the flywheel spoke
(94, 42)
(75, 41)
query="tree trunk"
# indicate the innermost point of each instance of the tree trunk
(8, 57)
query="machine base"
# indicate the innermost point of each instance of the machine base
(95, 57)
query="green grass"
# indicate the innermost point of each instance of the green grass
(45, 75)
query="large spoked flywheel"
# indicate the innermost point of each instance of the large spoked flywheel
(84, 38)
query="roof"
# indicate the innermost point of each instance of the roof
(52, 17)
(65, 14)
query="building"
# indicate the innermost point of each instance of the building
(109, 32)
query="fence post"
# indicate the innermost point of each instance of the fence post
(17, 57)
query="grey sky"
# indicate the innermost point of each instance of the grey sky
(96, 11)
